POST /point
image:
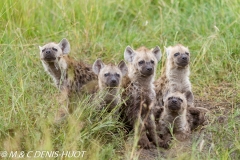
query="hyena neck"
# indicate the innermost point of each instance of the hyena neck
(109, 91)
(111, 95)
(178, 119)
(145, 88)
(54, 70)
(176, 73)
(113, 91)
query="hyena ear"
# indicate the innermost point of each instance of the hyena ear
(97, 66)
(40, 48)
(157, 53)
(189, 96)
(123, 67)
(168, 50)
(64, 45)
(129, 54)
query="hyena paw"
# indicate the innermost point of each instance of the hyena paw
(145, 143)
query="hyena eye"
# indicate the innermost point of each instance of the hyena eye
(187, 53)
(141, 62)
(176, 54)
(170, 98)
(44, 50)
(106, 74)
(54, 49)
(180, 99)
(118, 75)
(152, 61)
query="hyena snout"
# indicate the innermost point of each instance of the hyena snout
(183, 60)
(147, 70)
(112, 81)
(48, 52)
(49, 55)
(174, 104)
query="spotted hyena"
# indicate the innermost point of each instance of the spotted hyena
(139, 94)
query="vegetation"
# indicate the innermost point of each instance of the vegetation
(97, 28)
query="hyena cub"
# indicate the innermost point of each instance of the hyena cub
(175, 77)
(109, 82)
(139, 94)
(175, 115)
(49, 54)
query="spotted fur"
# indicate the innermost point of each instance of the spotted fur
(74, 74)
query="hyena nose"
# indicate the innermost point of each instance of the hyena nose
(149, 69)
(114, 81)
(48, 52)
(184, 58)
(174, 101)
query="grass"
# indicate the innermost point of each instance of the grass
(97, 28)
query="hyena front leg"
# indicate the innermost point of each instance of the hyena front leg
(63, 110)
(151, 128)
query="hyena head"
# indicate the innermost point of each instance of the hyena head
(178, 55)
(176, 102)
(142, 62)
(50, 51)
(109, 76)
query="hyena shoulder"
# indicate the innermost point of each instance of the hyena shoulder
(75, 74)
